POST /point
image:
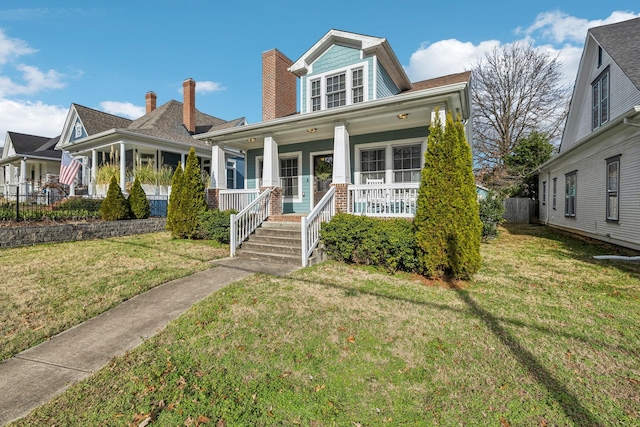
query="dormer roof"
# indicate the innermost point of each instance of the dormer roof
(619, 40)
(369, 45)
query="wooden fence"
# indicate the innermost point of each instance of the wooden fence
(520, 210)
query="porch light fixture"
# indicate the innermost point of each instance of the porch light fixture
(403, 116)
(251, 140)
(312, 130)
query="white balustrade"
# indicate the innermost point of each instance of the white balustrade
(248, 219)
(237, 199)
(310, 225)
(383, 200)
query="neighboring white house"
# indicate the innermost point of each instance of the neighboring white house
(592, 186)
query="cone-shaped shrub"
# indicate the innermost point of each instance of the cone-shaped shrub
(173, 208)
(115, 206)
(447, 221)
(140, 207)
(190, 200)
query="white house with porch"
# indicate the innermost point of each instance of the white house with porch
(356, 145)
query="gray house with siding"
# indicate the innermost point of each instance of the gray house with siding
(592, 186)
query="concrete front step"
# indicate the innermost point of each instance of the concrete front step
(269, 257)
(277, 249)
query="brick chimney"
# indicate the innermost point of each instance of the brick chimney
(189, 105)
(150, 97)
(278, 86)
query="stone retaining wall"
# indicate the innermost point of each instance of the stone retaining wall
(11, 237)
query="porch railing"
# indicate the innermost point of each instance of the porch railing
(237, 199)
(310, 225)
(248, 219)
(383, 200)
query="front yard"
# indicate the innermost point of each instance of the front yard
(46, 289)
(543, 336)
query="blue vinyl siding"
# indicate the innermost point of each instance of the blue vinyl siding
(386, 87)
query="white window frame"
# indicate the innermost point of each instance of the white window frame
(388, 146)
(568, 212)
(555, 193)
(613, 192)
(600, 103)
(281, 156)
(348, 72)
(230, 164)
(293, 155)
(78, 130)
(544, 192)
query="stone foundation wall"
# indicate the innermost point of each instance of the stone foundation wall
(11, 237)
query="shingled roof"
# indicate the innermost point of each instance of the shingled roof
(620, 41)
(440, 81)
(33, 145)
(95, 121)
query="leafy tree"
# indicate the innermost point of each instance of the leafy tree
(491, 211)
(115, 206)
(447, 220)
(530, 153)
(173, 208)
(190, 200)
(140, 207)
(516, 90)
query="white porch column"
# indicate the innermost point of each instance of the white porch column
(182, 161)
(23, 176)
(123, 165)
(218, 167)
(270, 168)
(341, 154)
(94, 168)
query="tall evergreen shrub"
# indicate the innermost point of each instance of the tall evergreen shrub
(447, 221)
(140, 207)
(173, 208)
(115, 206)
(190, 202)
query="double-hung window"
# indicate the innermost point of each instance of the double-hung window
(570, 194)
(544, 192)
(316, 96)
(613, 186)
(600, 100)
(555, 192)
(357, 86)
(289, 176)
(407, 162)
(337, 90)
(372, 164)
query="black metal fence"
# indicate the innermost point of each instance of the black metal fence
(55, 206)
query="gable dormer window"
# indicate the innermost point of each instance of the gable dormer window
(78, 130)
(599, 56)
(316, 95)
(336, 88)
(357, 86)
(600, 100)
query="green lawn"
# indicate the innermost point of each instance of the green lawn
(46, 289)
(543, 336)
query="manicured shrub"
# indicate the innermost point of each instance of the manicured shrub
(491, 211)
(81, 204)
(173, 208)
(215, 225)
(389, 243)
(140, 207)
(115, 206)
(447, 222)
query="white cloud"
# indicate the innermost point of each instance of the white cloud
(34, 81)
(12, 48)
(33, 118)
(563, 36)
(125, 109)
(446, 57)
(206, 87)
(561, 28)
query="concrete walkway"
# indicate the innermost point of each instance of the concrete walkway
(36, 375)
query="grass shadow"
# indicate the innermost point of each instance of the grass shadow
(569, 403)
(162, 249)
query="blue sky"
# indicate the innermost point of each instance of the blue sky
(107, 55)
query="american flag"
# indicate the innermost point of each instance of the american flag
(68, 169)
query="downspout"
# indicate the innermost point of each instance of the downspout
(546, 221)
